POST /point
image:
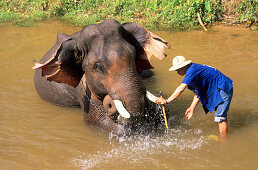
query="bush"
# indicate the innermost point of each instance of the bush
(248, 11)
(159, 14)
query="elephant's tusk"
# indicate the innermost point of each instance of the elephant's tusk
(151, 97)
(121, 109)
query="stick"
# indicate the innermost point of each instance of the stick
(200, 21)
(164, 113)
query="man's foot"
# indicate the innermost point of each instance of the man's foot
(213, 138)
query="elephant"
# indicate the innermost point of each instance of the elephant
(98, 69)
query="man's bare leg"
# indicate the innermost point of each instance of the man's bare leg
(223, 129)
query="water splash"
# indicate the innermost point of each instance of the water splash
(140, 148)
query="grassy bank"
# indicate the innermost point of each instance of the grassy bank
(154, 14)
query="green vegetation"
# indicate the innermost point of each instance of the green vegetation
(158, 14)
(248, 10)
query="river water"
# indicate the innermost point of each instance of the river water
(35, 134)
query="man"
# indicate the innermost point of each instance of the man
(214, 89)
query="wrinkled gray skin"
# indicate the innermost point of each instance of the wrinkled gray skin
(97, 65)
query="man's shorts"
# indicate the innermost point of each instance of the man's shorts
(222, 109)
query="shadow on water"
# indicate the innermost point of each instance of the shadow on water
(240, 119)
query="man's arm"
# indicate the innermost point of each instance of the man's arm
(176, 93)
(190, 111)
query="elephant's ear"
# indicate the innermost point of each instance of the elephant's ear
(63, 64)
(151, 44)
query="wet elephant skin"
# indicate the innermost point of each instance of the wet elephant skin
(97, 66)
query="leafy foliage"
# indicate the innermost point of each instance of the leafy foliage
(248, 10)
(163, 14)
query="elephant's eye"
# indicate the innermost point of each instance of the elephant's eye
(99, 67)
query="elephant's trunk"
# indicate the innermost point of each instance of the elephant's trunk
(129, 96)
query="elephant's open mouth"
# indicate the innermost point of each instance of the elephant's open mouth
(117, 111)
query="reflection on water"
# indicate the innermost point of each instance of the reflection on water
(36, 134)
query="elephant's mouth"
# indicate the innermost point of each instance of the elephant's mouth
(117, 111)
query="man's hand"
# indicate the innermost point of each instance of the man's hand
(160, 100)
(189, 113)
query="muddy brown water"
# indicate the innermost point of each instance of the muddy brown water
(35, 134)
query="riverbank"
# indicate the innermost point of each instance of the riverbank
(153, 14)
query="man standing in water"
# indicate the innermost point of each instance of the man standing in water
(213, 88)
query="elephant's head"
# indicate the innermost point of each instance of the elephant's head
(109, 56)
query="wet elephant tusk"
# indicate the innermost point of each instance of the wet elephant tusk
(121, 109)
(151, 97)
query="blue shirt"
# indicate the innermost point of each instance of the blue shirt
(205, 82)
